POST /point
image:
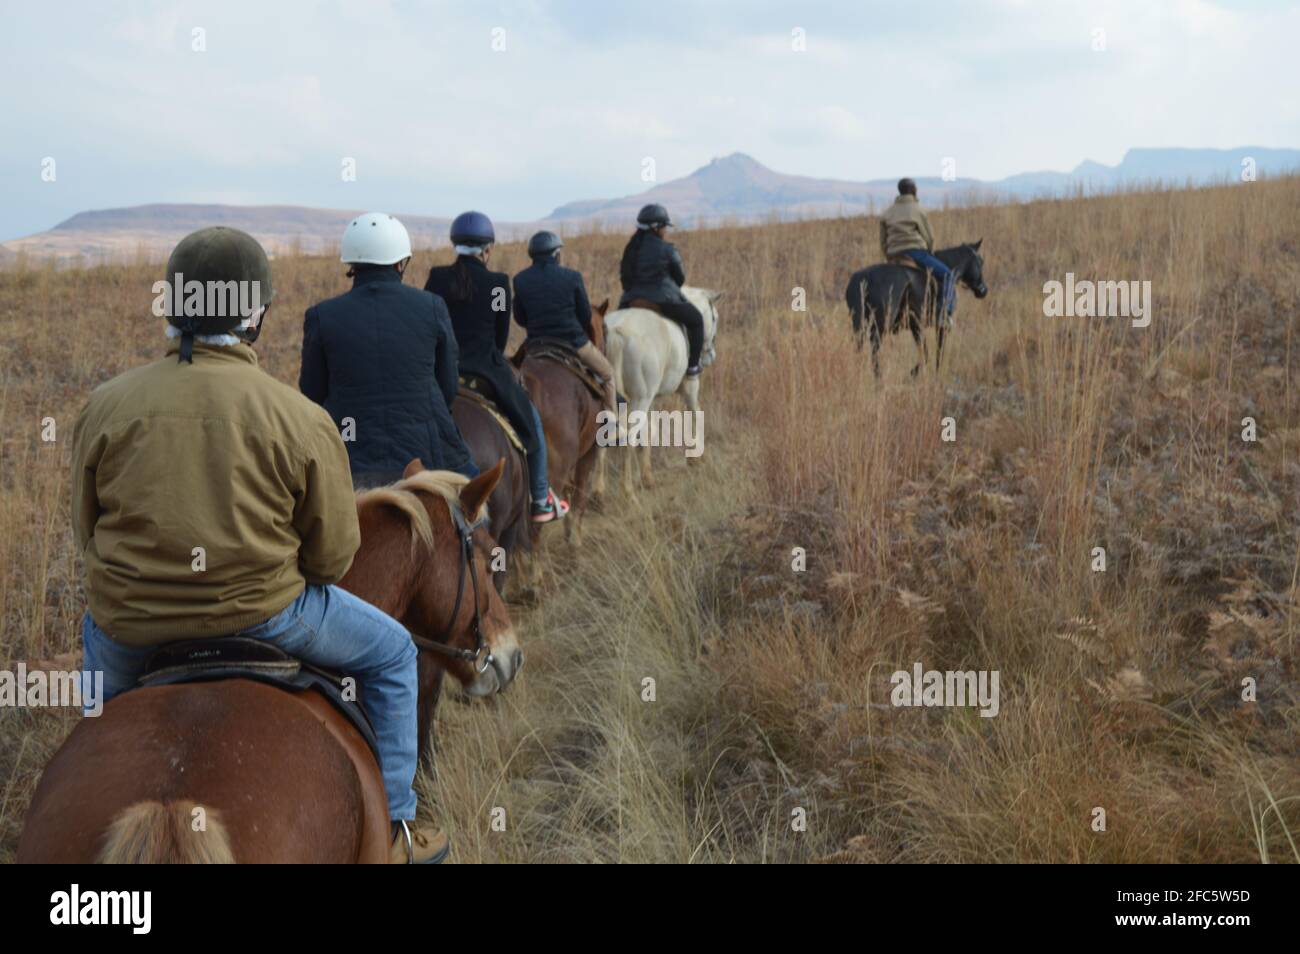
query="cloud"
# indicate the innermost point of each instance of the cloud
(436, 117)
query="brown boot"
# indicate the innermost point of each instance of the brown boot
(418, 846)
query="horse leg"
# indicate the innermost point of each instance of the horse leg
(875, 349)
(691, 391)
(918, 336)
(647, 476)
(640, 455)
(938, 345)
(598, 483)
(581, 476)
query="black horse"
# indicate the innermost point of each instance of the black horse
(888, 294)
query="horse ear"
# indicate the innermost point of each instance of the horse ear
(474, 495)
(603, 308)
(977, 245)
(414, 467)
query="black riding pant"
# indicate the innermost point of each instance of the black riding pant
(692, 322)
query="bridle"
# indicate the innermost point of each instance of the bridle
(480, 655)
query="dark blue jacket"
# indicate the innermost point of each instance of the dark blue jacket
(480, 318)
(383, 355)
(551, 302)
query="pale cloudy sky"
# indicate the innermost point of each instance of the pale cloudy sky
(438, 120)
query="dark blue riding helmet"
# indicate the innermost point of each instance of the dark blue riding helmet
(472, 228)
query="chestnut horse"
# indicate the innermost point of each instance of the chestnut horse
(568, 410)
(508, 506)
(236, 770)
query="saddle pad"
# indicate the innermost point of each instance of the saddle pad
(561, 352)
(472, 389)
(242, 657)
(644, 303)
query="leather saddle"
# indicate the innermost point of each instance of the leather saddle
(906, 261)
(644, 303)
(243, 657)
(481, 392)
(563, 353)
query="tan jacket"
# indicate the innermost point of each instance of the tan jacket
(217, 454)
(903, 226)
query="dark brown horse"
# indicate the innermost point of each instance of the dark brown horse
(568, 410)
(488, 443)
(238, 770)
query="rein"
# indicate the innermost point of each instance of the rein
(480, 655)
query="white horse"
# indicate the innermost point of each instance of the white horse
(648, 352)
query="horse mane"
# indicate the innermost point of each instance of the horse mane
(405, 497)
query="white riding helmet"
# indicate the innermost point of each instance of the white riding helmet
(375, 238)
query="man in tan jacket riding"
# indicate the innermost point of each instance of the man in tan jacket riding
(905, 233)
(209, 499)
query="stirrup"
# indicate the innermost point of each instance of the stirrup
(406, 836)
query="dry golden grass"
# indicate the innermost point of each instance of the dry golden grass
(1120, 690)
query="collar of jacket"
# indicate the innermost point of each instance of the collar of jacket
(371, 275)
(240, 352)
(905, 198)
(472, 260)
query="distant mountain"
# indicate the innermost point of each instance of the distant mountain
(1172, 167)
(150, 231)
(739, 187)
(732, 188)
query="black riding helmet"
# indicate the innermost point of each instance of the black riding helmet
(544, 243)
(652, 215)
(216, 256)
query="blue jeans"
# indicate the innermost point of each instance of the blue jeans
(325, 626)
(537, 460)
(942, 273)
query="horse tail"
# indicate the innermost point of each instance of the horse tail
(856, 296)
(151, 833)
(614, 342)
(615, 345)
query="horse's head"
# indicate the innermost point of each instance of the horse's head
(972, 274)
(706, 300)
(458, 606)
(598, 324)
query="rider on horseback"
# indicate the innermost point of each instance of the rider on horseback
(209, 458)
(905, 233)
(479, 301)
(551, 302)
(381, 359)
(652, 269)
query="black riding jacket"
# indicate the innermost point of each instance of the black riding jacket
(383, 355)
(481, 322)
(651, 269)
